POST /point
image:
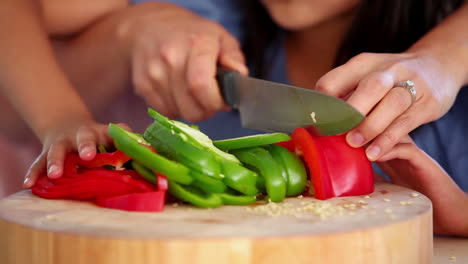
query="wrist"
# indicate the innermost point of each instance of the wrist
(61, 119)
(453, 61)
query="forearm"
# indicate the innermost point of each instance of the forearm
(448, 42)
(30, 77)
(97, 60)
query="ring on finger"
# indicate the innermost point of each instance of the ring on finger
(410, 86)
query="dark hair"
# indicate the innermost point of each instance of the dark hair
(389, 26)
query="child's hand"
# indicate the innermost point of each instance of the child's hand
(174, 54)
(82, 136)
(409, 166)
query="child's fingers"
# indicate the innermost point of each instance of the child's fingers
(404, 151)
(86, 140)
(36, 169)
(55, 159)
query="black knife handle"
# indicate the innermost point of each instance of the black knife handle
(227, 84)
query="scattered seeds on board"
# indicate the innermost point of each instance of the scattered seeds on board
(414, 194)
(403, 202)
(367, 197)
(453, 258)
(320, 209)
(388, 211)
(386, 200)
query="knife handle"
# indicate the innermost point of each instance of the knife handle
(227, 85)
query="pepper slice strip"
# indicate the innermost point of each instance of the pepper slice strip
(251, 141)
(260, 159)
(292, 168)
(207, 183)
(194, 195)
(177, 147)
(144, 172)
(230, 197)
(336, 168)
(116, 159)
(131, 144)
(83, 189)
(239, 178)
(192, 135)
(139, 202)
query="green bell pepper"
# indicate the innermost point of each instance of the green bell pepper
(175, 146)
(133, 145)
(292, 169)
(251, 141)
(239, 178)
(261, 159)
(230, 197)
(194, 195)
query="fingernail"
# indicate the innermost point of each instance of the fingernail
(355, 139)
(26, 183)
(373, 152)
(86, 152)
(52, 170)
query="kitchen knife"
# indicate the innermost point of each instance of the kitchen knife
(276, 107)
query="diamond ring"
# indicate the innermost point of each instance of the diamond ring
(410, 87)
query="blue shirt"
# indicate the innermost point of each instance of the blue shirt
(445, 140)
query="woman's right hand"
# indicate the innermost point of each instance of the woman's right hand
(75, 135)
(174, 54)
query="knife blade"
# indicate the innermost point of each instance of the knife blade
(276, 107)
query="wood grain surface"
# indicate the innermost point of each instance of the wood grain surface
(392, 225)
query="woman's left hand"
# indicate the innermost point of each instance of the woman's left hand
(367, 82)
(409, 166)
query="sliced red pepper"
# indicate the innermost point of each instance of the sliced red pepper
(82, 189)
(116, 159)
(336, 168)
(288, 144)
(162, 182)
(141, 202)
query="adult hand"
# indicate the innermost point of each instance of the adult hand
(369, 82)
(74, 135)
(409, 166)
(174, 55)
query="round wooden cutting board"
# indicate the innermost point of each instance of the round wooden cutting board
(392, 225)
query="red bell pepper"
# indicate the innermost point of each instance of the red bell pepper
(336, 168)
(90, 180)
(141, 202)
(116, 159)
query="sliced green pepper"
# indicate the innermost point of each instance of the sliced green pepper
(194, 195)
(144, 172)
(239, 178)
(251, 141)
(230, 197)
(175, 146)
(191, 135)
(131, 144)
(292, 168)
(207, 183)
(262, 160)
